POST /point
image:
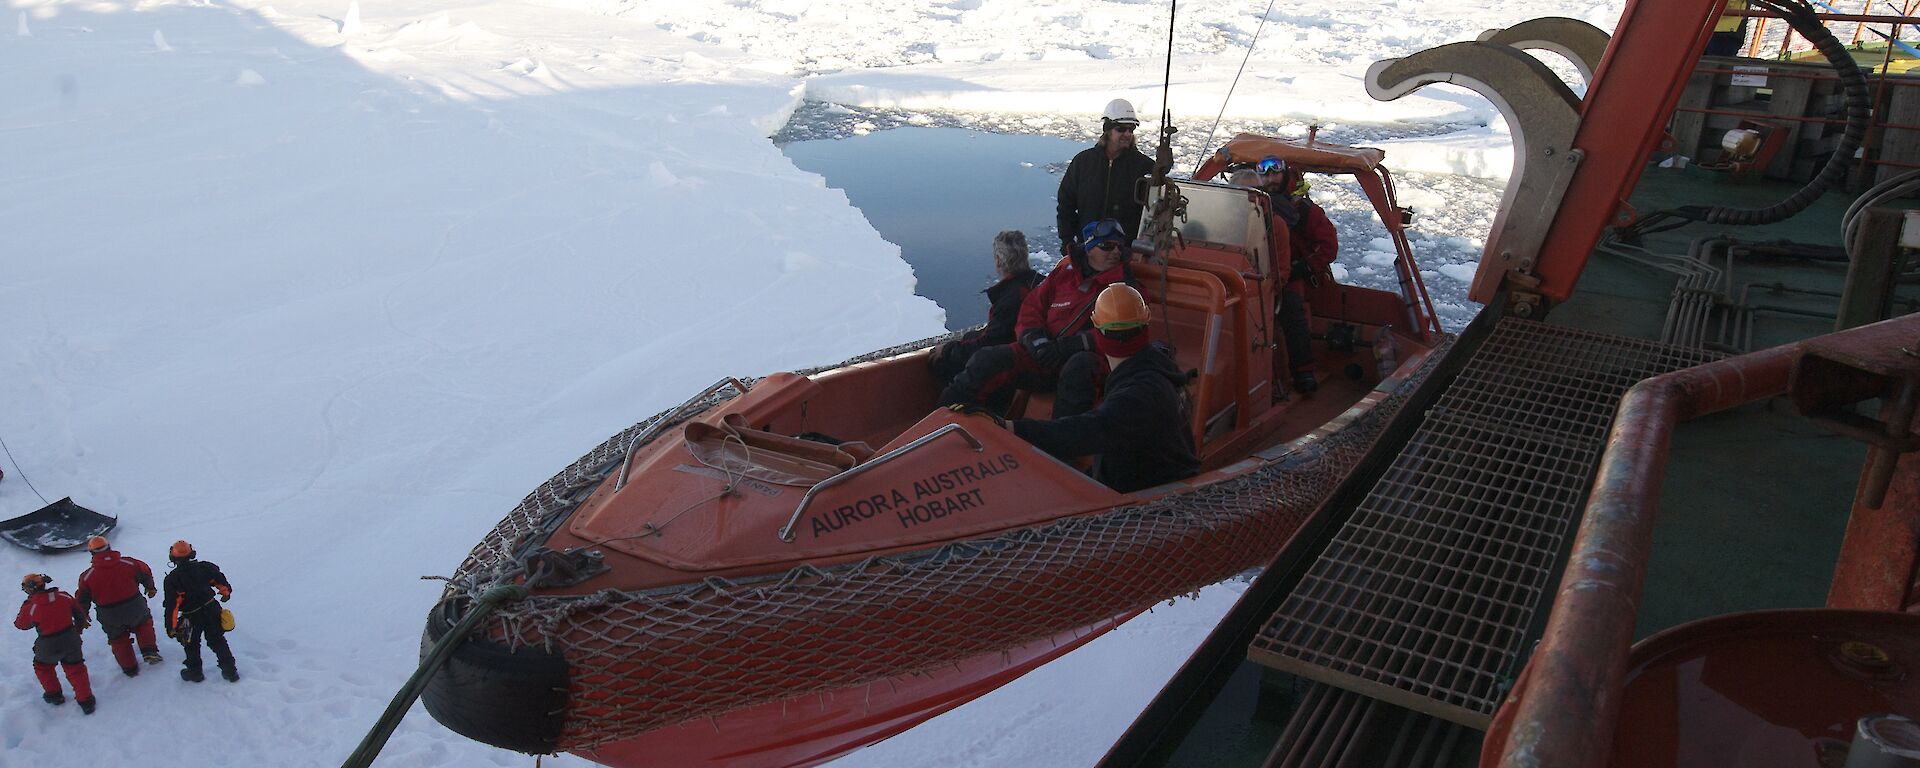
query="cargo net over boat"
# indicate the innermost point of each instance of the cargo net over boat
(720, 645)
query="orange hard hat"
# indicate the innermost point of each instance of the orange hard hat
(1119, 308)
(97, 543)
(181, 549)
(34, 582)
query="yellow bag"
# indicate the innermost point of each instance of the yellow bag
(226, 620)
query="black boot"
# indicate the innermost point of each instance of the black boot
(192, 675)
(230, 674)
(86, 705)
(1304, 383)
(55, 698)
(133, 671)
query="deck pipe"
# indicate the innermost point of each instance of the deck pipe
(1568, 710)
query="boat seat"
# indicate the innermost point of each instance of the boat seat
(735, 447)
(1030, 404)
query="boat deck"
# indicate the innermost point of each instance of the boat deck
(1751, 514)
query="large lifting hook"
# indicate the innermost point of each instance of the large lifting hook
(1170, 205)
(1543, 115)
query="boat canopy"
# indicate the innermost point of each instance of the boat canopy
(1318, 157)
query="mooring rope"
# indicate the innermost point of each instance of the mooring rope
(376, 738)
(21, 472)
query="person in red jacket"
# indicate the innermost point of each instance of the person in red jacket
(114, 587)
(1054, 325)
(57, 619)
(1314, 244)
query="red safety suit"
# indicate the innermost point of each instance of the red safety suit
(57, 619)
(114, 587)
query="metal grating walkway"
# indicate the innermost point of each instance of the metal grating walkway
(1425, 596)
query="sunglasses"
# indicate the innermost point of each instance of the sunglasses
(1121, 331)
(1106, 246)
(1122, 129)
(1268, 165)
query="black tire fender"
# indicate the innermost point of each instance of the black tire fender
(509, 699)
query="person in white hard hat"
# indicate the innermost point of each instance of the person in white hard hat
(1099, 183)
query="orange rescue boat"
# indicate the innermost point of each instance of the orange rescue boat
(778, 572)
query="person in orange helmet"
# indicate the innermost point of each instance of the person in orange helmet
(57, 619)
(1139, 430)
(195, 589)
(114, 587)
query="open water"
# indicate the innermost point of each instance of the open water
(941, 194)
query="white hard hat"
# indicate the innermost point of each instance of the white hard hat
(1120, 111)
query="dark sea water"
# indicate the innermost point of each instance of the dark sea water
(941, 194)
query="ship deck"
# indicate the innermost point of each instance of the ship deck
(1751, 515)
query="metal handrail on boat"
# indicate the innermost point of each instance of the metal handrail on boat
(1565, 709)
(652, 429)
(786, 531)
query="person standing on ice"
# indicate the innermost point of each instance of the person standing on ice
(195, 589)
(114, 586)
(1053, 325)
(1139, 431)
(58, 619)
(1099, 183)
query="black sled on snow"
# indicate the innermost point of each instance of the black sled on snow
(56, 527)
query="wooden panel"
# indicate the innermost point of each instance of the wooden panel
(1900, 145)
(1687, 126)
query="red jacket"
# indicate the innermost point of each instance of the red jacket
(52, 612)
(1062, 305)
(113, 578)
(1314, 240)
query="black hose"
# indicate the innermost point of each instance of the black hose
(376, 738)
(1801, 16)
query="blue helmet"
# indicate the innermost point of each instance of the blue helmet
(1102, 231)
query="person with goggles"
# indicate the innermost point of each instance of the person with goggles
(1053, 326)
(1138, 433)
(1313, 245)
(1099, 181)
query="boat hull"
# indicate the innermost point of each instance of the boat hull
(735, 656)
(814, 729)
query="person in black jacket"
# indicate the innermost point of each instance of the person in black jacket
(195, 589)
(1139, 430)
(1099, 183)
(1017, 278)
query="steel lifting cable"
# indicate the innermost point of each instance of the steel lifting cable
(1235, 84)
(1166, 82)
(376, 738)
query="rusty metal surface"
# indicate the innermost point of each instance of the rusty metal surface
(1766, 689)
(1564, 712)
(1880, 554)
(1425, 595)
